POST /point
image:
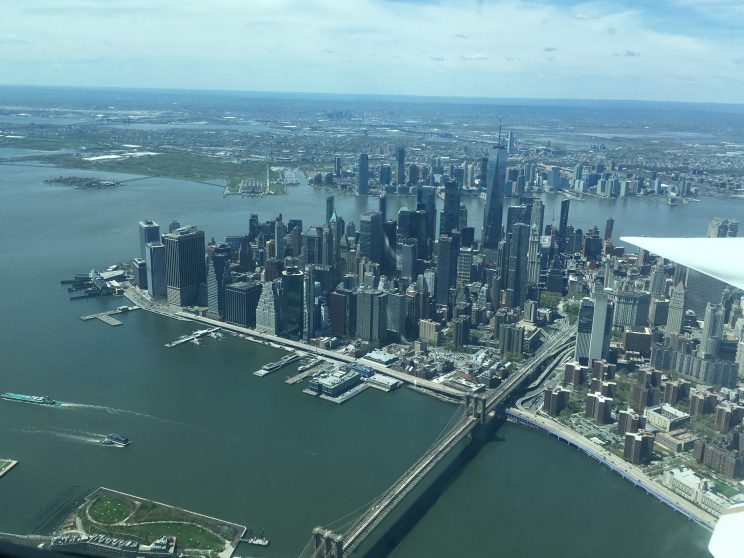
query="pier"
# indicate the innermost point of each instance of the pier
(106, 317)
(186, 338)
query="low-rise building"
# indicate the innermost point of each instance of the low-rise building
(665, 417)
(695, 489)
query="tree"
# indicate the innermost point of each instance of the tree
(550, 300)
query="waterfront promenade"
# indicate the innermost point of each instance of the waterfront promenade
(626, 470)
(163, 309)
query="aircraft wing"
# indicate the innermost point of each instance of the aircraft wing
(720, 258)
(726, 541)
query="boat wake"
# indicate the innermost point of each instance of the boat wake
(115, 411)
(75, 435)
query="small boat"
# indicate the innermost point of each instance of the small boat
(115, 439)
(259, 541)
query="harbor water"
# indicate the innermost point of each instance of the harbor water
(210, 436)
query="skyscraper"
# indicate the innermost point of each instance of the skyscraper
(268, 309)
(677, 307)
(400, 165)
(149, 231)
(494, 208)
(599, 344)
(712, 330)
(537, 216)
(609, 225)
(329, 208)
(371, 315)
(533, 257)
(291, 301)
(363, 175)
(450, 215)
(563, 225)
(156, 277)
(280, 232)
(448, 249)
(584, 330)
(370, 236)
(517, 271)
(218, 275)
(185, 272)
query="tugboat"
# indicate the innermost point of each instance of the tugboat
(258, 541)
(115, 439)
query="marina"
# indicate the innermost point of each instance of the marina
(278, 365)
(196, 336)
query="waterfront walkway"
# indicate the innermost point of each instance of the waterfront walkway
(133, 295)
(626, 470)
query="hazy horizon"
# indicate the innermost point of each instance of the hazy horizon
(670, 50)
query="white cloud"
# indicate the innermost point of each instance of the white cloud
(371, 46)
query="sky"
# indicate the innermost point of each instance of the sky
(670, 50)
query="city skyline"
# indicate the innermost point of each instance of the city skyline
(338, 48)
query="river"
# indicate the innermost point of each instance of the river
(211, 437)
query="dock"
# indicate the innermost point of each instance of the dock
(278, 365)
(106, 317)
(191, 337)
(6, 465)
(305, 371)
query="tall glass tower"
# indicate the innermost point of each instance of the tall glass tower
(494, 210)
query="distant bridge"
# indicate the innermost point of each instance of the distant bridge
(326, 543)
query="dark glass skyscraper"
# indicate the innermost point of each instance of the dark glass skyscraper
(450, 216)
(400, 165)
(370, 236)
(494, 209)
(185, 272)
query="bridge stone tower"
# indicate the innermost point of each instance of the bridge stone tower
(327, 543)
(476, 407)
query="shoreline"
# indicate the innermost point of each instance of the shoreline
(626, 470)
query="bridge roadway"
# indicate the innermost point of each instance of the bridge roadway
(358, 532)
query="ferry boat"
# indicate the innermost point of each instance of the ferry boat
(274, 366)
(38, 399)
(259, 541)
(115, 439)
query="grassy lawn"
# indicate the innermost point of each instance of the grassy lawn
(174, 164)
(109, 509)
(150, 511)
(188, 536)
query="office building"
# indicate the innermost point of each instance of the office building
(138, 269)
(291, 300)
(184, 264)
(450, 216)
(446, 272)
(371, 236)
(218, 275)
(400, 165)
(362, 177)
(149, 232)
(599, 344)
(494, 208)
(156, 274)
(712, 331)
(241, 303)
(268, 308)
(371, 315)
(677, 307)
(584, 329)
(720, 228)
